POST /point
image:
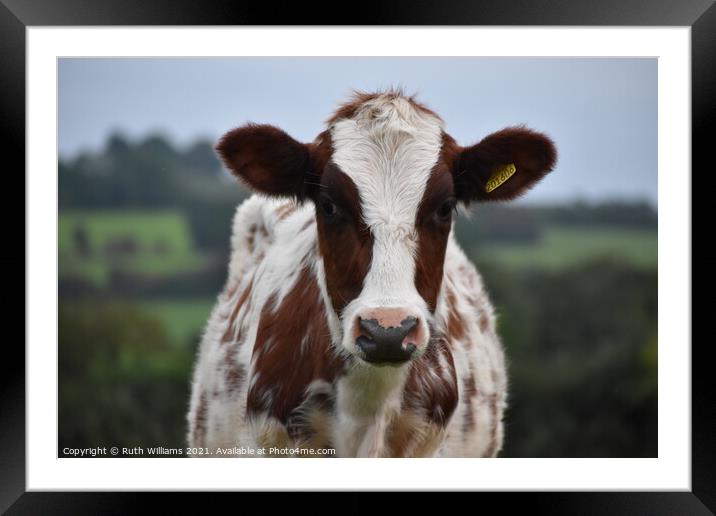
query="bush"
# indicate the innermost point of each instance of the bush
(120, 383)
(581, 348)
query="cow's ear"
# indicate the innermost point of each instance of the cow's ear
(266, 159)
(504, 165)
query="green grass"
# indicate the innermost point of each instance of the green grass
(560, 247)
(167, 228)
(162, 241)
(182, 319)
(95, 271)
(164, 265)
(98, 270)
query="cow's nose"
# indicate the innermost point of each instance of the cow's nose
(381, 342)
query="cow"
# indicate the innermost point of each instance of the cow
(351, 321)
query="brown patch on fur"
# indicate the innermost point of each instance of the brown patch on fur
(433, 231)
(285, 210)
(231, 289)
(456, 328)
(272, 434)
(345, 243)
(229, 333)
(321, 151)
(494, 377)
(235, 376)
(310, 423)
(285, 370)
(470, 392)
(200, 421)
(353, 106)
(484, 322)
(492, 449)
(251, 237)
(412, 435)
(450, 153)
(434, 396)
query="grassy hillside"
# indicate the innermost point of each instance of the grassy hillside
(183, 319)
(92, 244)
(147, 228)
(560, 247)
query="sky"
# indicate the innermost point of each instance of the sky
(600, 112)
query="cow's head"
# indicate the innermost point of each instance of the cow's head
(385, 180)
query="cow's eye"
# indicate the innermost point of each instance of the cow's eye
(445, 210)
(327, 206)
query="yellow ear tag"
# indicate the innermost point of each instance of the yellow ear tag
(499, 176)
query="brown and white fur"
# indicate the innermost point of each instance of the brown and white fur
(357, 226)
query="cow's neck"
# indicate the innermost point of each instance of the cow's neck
(367, 399)
(367, 391)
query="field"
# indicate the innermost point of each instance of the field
(146, 228)
(183, 319)
(92, 245)
(561, 247)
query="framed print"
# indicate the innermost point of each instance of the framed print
(305, 240)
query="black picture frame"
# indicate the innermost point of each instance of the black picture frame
(16, 15)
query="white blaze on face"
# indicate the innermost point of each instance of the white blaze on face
(388, 149)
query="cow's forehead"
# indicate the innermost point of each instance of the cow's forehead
(388, 147)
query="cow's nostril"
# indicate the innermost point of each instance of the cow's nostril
(381, 344)
(409, 322)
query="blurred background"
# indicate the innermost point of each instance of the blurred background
(145, 211)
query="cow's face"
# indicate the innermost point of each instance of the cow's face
(385, 180)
